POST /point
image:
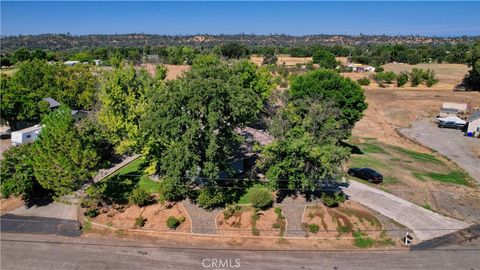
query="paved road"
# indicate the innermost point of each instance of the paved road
(56, 210)
(449, 142)
(29, 252)
(424, 223)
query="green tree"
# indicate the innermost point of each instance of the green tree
(416, 76)
(21, 55)
(402, 78)
(62, 161)
(161, 72)
(190, 130)
(472, 80)
(325, 58)
(330, 86)
(16, 171)
(122, 101)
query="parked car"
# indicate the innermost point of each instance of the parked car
(366, 174)
(450, 124)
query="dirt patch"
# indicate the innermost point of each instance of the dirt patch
(241, 222)
(12, 203)
(173, 71)
(155, 216)
(283, 60)
(342, 220)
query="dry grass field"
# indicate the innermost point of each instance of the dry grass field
(173, 71)
(449, 75)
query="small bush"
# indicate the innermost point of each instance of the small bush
(313, 228)
(332, 200)
(91, 213)
(276, 226)
(173, 222)
(260, 198)
(140, 221)
(231, 210)
(255, 232)
(140, 197)
(363, 81)
(210, 198)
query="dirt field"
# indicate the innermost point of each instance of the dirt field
(173, 71)
(283, 59)
(156, 216)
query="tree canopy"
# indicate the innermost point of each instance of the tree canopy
(328, 85)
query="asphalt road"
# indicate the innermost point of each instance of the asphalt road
(31, 252)
(449, 142)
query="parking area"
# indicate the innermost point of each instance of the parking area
(463, 150)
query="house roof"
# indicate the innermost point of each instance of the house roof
(52, 102)
(29, 129)
(449, 110)
(74, 112)
(474, 116)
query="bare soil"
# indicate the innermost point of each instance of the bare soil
(342, 220)
(241, 223)
(12, 203)
(156, 216)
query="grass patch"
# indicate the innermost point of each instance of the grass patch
(363, 161)
(421, 157)
(368, 148)
(427, 206)
(87, 226)
(362, 242)
(454, 177)
(390, 180)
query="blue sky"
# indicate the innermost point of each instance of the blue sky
(295, 18)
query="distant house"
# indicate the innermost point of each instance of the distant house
(452, 109)
(97, 62)
(445, 112)
(71, 63)
(79, 115)
(53, 104)
(360, 68)
(26, 135)
(473, 124)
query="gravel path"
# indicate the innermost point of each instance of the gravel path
(292, 209)
(203, 221)
(449, 142)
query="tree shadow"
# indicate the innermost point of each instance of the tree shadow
(353, 148)
(119, 187)
(38, 197)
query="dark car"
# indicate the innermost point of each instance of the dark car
(366, 174)
(450, 124)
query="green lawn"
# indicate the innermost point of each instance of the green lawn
(368, 148)
(133, 171)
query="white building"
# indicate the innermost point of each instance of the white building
(26, 135)
(473, 124)
(71, 63)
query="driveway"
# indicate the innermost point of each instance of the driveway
(465, 151)
(424, 223)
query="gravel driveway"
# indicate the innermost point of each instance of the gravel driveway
(449, 142)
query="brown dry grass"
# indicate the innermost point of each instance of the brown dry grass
(12, 203)
(173, 71)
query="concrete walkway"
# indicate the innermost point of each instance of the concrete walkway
(102, 174)
(424, 223)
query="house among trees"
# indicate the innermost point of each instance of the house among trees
(71, 63)
(25, 135)
(52, 103)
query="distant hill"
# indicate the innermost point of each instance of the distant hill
(69, 42)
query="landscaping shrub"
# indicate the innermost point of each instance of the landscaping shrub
(140, 221)
(364, 81)
(332, 200)
(173, 222)
(313, 228)
(91, 213)
(362, 242)
(260, 198)
(140, 197)
(171, 190)
(231, 210)
(210, 198)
